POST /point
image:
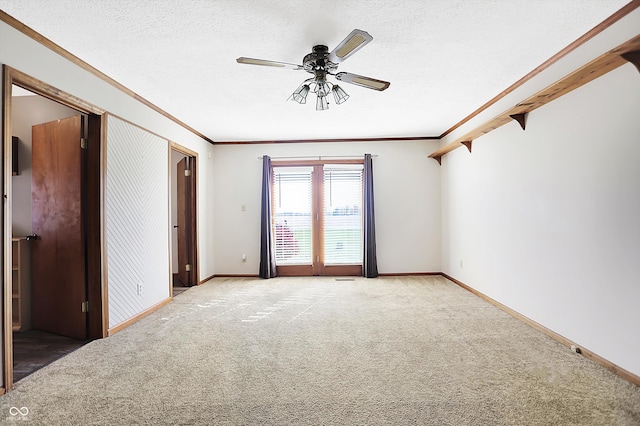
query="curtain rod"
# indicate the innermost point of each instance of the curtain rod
(320, 157)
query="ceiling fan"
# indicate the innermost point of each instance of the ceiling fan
(320, 62)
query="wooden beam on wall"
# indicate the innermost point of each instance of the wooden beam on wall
(29, 32)
(598, 67)
(624, 11)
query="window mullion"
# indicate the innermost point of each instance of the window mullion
(318, 244)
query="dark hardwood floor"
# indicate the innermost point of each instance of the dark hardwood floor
(177, 290)
(34, 349)
(178, 287)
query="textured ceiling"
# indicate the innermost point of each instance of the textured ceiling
(444, 58)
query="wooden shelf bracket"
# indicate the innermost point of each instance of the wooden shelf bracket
(521, 119)
(633, 57)
(438, 158)
(467, 144)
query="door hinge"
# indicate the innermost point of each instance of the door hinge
(83, 143)
(85, 306)
(187, 172)
(187, 267)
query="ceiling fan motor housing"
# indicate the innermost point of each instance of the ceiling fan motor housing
(317, 62)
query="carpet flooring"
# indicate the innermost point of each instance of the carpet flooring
(292, 351)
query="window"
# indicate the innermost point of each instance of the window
(342, 231)
(292, 213)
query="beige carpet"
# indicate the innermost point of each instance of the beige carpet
(410, 350)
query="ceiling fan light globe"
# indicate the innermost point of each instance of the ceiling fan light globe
(339, 94)
(322, 103)
(300, 94)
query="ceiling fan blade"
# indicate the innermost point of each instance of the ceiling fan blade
(252, 61)
(350, 45)
(360, 80)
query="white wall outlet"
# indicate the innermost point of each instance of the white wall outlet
(243, 208)
(139, 289)
(461, 265)
(244, 257)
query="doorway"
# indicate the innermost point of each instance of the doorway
(53, 294)
(317, 218)
(184, 246)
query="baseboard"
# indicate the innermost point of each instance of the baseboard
(2, 391)
(209, 278)
(386, 274)
(234, 276)
(407, 274)
(627, 375)
(138, 317)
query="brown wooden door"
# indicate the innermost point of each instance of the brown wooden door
(58, 254)
(186, 221)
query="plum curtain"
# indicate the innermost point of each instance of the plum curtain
(267, 243)
(370, 262)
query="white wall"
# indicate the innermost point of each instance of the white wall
(407, 202)
(30, 57)
(546, 221)
(27, 111)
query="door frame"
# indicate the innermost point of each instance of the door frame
(318, 267)
(194, 216)
(96, 272)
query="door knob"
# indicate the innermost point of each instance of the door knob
(33, 237)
